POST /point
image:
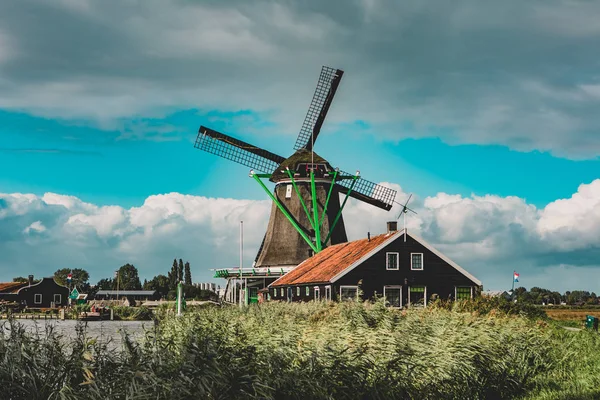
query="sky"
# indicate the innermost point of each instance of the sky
(485, 111)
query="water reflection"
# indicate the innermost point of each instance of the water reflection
(104, 331)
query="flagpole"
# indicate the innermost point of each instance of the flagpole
(513, 282)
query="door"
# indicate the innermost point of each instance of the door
(327, 292)
(252, 295)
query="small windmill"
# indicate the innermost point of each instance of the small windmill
(404, 210)
(306, 215)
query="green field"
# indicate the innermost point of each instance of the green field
(470, 350)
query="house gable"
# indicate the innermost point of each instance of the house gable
(43, 294)
(438, 276)
(414, 249)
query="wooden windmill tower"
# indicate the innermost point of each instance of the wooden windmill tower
(306, 215)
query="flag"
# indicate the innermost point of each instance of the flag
(516, 277)
(69, 277)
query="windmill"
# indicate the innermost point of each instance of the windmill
(306, 214)
(404, 210)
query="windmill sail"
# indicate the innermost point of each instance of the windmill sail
(236, 150)
(369, 192)
(326, 88)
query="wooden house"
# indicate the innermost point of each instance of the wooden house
(45, 293)
(402, 267)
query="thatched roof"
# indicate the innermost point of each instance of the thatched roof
(301, 156)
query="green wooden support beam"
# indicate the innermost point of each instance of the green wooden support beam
(339, 214)
(322, 219)
(284, 211)
(316, 226)
(300, 197)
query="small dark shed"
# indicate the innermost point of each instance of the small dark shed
(44, 294)
(404, 269)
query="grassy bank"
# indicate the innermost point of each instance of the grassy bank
(475, 350)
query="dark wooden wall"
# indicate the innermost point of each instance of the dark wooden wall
(47, 288)
(438, 276)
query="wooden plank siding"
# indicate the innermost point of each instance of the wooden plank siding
(438, 276)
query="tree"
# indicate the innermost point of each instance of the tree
(173, 275)
(188, 274)
(180, 271)
(129, 278)
(20, 279)
(105, 284)
(160, 283)
(80, 278)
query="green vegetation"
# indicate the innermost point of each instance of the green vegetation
(468, 350)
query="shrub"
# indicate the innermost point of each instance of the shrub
(316, 350)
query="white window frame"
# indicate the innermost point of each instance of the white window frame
(307, 291)
(387, 264)
(59, 298)
(348, 286)
(394, 287)
(328, 292)
(35, 298)
(283, 292)
(424, 295)
(274, 292)
(317, 295)
(422, 262)
(297, 291)
(456, 291)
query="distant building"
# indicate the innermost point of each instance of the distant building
(404, 269)
(135, 295)
(43, 294)
(496, 293)
(207, 286)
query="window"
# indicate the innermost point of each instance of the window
(392, 261)
(282, 292)
(274, 292)
(348, 293)
(37, 298)
(307, 291)
(57, 299)
(298, 291)
(393, 295)
(416, 261)
(417, 295)
(317, 294)
(463, 293)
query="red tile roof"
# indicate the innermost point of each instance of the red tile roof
(11, 287)
(323, 266)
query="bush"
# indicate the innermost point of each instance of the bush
(351, 350)
(132, 313)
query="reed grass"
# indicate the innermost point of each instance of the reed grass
(313, 351)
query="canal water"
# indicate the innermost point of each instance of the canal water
(104, 331)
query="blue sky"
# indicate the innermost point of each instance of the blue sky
(47, 155)
(487, 113)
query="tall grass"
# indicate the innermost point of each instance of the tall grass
(312, 351)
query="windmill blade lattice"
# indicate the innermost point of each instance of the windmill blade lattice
(236, 150)
(369, 192)
(326, 88)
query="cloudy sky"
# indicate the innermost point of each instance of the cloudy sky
(485, 111)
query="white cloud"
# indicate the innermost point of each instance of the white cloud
(37, 226)
(507, 73)
(488, 235)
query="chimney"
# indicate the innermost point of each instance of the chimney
(369, 236)
(30, 280)
(392, 226)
